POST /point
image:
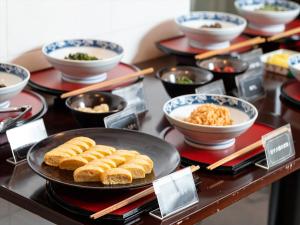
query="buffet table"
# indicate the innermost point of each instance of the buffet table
(21, 186)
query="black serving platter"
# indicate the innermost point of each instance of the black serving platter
(165, 157)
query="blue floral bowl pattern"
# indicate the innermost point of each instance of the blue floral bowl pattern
(218, 16)
(14, 69)
(286, 4)
(211, 99)
(83, 43)
(294, 65)
(211, 137)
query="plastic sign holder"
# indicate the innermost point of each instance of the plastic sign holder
(134, 95)
(279, 147)
(126, 119)
(216, 87)
(174, 193)
(23, 137)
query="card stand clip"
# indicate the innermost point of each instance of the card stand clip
(174, 193)
(157, 214)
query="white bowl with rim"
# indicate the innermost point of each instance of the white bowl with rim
(108, 53)
(14, 78)
(267, 21)
(210, 38)
(242, 113)
(294, 66)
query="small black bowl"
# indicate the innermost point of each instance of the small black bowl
(237, 64)
(91, 99)
(170, 75)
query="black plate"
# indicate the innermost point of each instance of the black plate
(166, 158)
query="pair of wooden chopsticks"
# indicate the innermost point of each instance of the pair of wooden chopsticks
(129, 200)
(107, 83)
(253, 41)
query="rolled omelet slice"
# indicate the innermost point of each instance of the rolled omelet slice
(146, 158)
(53, 158)
(137, 171)
(116, 176)
(110, 162)
(128, 155)
(147, 166)
(72, 163)
(65, 150)
(88, 157)
(73, 147)
(83, 145)
(87, 140)
(117, 159)
(101, 164)
(103, 149)
(88, 173)
(94, 153)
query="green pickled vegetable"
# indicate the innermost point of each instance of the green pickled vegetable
(270, 7)
(184, 80)
(81, 56)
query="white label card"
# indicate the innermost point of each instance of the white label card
(22, 137)
(279, 146)
(175, 192)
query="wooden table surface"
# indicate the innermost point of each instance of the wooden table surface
(21, 186)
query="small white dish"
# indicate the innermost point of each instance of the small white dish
(274, 68)
(243, 114)
(83, 71)
(294, 66)
(15, 78)
(210, 38)
(266, 21)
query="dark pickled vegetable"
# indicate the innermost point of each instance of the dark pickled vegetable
(214, 25)
(2, 85)
(80, 56)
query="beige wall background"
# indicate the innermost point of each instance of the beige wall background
(213, 5)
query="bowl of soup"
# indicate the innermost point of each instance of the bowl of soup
(13, 79)
(267, 16)
(210, 30)
(83, 60)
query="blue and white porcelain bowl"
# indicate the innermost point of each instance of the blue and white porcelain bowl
(242, 113)
(109, 55)
(210, 38)
(267, 21)
(13, 79)
(294, 65)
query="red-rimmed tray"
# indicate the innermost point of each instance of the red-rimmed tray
(50, 80)
(289, 26)
(290, 91)
(85, 203)
(191, 155)
(26, 97)
(180, 46)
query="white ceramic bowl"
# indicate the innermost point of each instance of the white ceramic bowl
(15, 78)
(267, 21)
(294, 65)
(243, 114)
(79, 71)
(210, 38)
